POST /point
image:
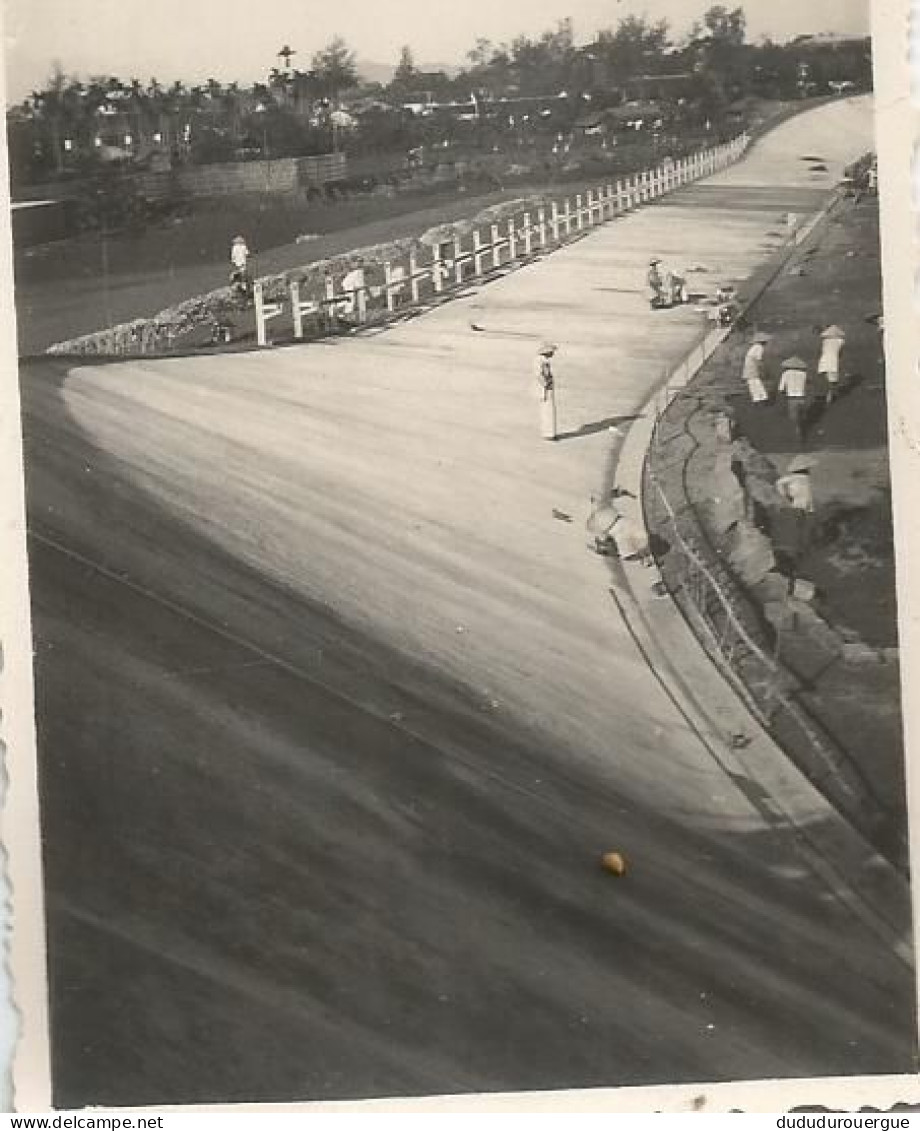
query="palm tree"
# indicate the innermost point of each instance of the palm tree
(278, 84)
(232, 109)
(157, 102)
(138, 102)
(50, 109)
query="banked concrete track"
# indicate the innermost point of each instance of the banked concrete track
(336, 716)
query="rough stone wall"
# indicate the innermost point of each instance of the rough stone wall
(282, 177)
(743, 498)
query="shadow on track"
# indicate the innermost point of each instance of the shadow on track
(286, 861)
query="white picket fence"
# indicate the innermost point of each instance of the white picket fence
(356, 299)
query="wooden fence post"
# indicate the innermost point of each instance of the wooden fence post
(413, 275)
(512, 241)
(458, 260)
(528, 235)
(331, 312)
(295, 309)
(387, 288)
(264, 312)
(477, 252)
(555, 221)
(541, 225)
(259, 302)
(437, 269)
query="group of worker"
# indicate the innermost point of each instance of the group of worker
(614, 532)
(795, 379)
(666, 287)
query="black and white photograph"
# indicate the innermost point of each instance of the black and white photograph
(461, 559)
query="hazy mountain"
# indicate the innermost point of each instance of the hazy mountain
(383, 72)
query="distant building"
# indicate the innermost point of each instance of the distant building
(421, 102)
(830, 39)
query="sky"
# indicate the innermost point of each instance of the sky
(192, 40)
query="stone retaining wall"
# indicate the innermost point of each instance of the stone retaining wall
(282, 177)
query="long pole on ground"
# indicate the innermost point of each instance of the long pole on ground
(105, 271)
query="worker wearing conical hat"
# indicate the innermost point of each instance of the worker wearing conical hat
(832, 340)
(239, 267)
(794, 384)
(618, 530)
(655, 280)
(753, 371)
(795, 486)
(239, 253)
(546, 389)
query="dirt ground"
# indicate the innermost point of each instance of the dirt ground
(849, 551)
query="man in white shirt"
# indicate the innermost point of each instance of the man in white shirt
(239, 254)
(239, 267)
(832, 340)
(752, 373)
(794, 383)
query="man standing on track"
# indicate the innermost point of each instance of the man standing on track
(546, 389)
(655, 280)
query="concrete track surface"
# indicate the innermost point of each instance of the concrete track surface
(337, 716)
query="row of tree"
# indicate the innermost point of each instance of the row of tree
(716, 47)
(71, 123)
